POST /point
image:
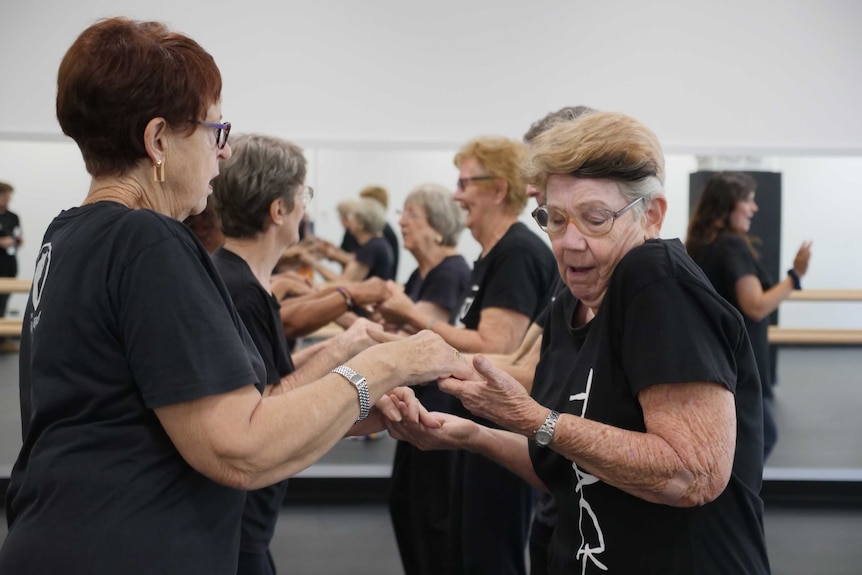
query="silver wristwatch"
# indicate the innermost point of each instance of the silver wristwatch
(361, 388)
(545, 434)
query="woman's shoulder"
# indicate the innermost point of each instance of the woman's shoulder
(655, 260)
(519, 238)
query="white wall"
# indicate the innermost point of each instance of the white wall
(750, 74)
(384, 91)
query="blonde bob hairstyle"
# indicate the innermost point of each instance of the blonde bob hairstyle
(502, 158)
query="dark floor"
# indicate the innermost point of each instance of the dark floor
(818, 413)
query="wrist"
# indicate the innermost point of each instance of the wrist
(795, 279)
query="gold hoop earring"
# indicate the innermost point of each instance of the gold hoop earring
(158, 171)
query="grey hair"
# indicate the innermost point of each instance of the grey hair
(444, 214)
(345, 207)
(371, 215)
(261, 169)
(648, 188)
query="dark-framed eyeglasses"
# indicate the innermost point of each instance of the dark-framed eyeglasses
(592, 222)
(463, 182)
(222, 130)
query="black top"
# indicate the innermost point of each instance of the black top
(516, 274)
(659, 322)
(443, 285)
(259, 311)
(350, 245)
(10, 225)
(127, 314)
(376, 255)
(724, 262)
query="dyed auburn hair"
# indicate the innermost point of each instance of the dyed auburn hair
(711, 217)
(502, 158)
(117, 76)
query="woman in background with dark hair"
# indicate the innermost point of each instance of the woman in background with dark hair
(718, 241)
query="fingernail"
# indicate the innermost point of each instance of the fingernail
(395, 415)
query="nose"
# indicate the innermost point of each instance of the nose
(572, 238)
(224, 153)
(754, 205)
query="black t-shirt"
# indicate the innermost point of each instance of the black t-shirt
(127, 314)
(259, 311)
(724, 262)
(350, 245)
(376, 255)
(10, 225)
(392, 239)
(516, 274)
(659, 322)
(443, 285)
(556, 287)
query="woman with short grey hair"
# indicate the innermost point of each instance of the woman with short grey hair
(431, 223)
(373, 257)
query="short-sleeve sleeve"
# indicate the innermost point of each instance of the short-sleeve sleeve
(520, 282)
(676, 331)
(183, 337)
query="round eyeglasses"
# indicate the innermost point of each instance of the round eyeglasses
(306, 193)
(222, 130)
(592, 222)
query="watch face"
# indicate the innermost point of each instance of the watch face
(543, 437)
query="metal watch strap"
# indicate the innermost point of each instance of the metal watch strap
(361, 388)
(545, 434)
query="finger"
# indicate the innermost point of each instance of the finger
(429, 419)
(388, 408)
(381, 336)
(489, 371)
(451, 386)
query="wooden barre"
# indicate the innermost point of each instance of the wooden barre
(10, 327)
(15, 285)
(798, 336)
(826, 295)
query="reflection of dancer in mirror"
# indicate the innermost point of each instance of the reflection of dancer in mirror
(10, 240)
(718, 241)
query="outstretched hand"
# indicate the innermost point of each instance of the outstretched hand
(447, 432)
(803, 256)
(498, 397)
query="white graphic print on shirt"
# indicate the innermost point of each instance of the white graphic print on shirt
(592, 538)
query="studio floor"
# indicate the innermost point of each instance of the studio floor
(818, 414)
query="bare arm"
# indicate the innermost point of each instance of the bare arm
(246, 441)
(303, 315)
(500, 330)
(755, 303)
(683, 459)
(522, 363)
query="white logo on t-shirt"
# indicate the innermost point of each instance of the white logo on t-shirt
(40, 276)
(592, 538)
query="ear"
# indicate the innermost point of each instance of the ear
(654, 216)
(277, 211)
(156, 139)
(501, 187)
